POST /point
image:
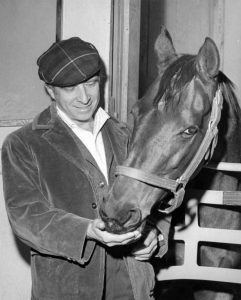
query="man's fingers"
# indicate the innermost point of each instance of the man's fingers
(99, 224)
(97, 231)
(130, 236)
(127, 236)
(146, 251)
(150, 237)
(136, 237)
(119, 239)
(142, 258)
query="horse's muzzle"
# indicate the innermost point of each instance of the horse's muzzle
(122, 223)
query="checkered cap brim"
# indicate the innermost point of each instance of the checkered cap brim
(68, 62)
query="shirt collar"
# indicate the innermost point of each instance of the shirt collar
(101, 117)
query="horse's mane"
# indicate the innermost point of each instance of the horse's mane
(228, 90)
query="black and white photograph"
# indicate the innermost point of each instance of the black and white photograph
(120, 134)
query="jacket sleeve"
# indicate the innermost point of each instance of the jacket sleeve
(44, 228)
(162, 223)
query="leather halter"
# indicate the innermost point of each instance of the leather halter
(205, 151)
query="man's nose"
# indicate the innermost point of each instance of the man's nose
(82, 94)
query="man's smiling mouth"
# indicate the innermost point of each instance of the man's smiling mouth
(84, 108)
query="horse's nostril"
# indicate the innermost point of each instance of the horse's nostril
(136, 212)
(114, 227)
(123, 221)
(134, 219)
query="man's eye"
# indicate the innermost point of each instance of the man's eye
(91, 83)
(69, 88)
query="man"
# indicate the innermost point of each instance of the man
(55, 171)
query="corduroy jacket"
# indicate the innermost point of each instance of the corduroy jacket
(52, 189)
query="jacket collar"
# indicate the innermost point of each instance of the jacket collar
(46, 119)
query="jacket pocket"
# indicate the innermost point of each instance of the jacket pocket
(54, 277)
(142, 278)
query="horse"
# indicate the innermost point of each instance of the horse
(170, 143)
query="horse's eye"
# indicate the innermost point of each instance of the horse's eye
(189, 132)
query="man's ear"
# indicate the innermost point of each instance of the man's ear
(50, 91)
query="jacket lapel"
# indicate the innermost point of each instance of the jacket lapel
(65, 142)
(116, 146)
(118, 141)
(61, 139)
(108, 149)
(84, 151)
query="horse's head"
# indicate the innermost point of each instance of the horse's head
(170, 122)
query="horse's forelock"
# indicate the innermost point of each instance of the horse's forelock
(175, 77)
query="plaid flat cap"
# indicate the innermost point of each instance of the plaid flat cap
(68, 62)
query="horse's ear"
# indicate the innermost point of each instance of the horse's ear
(208, 60)
(164, 50)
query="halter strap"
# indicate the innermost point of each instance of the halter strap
(177, 187)
(149, 178)
(210, 138)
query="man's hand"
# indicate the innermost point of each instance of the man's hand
(147, 248)
(96, 231)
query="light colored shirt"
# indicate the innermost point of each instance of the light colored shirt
(92, 140)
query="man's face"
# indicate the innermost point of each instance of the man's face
(79, 102)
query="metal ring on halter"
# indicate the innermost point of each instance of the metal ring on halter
(175, 202)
